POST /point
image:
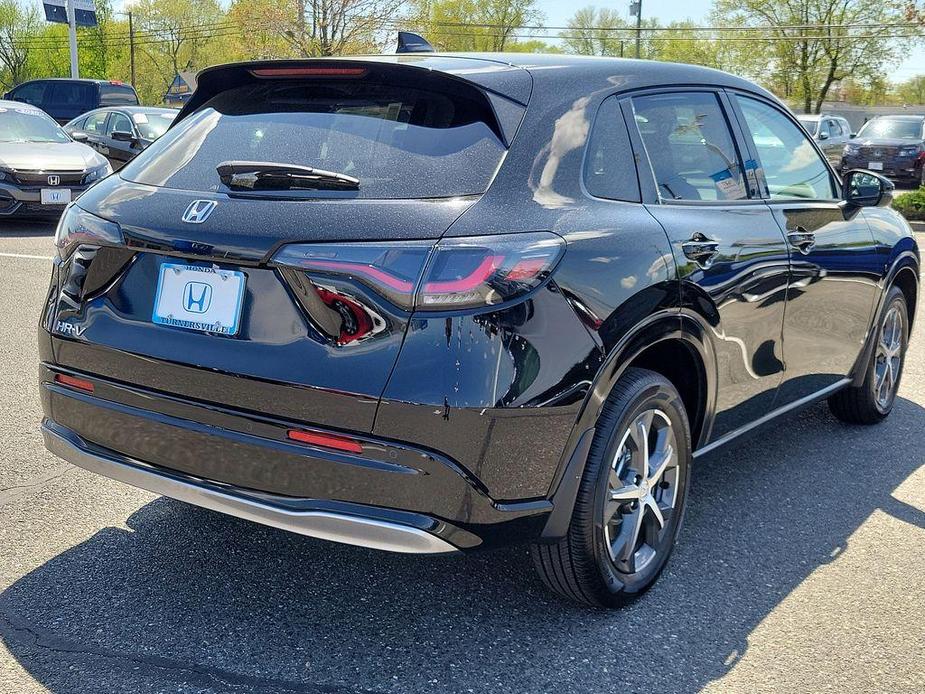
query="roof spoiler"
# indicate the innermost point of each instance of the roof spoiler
(409, 42)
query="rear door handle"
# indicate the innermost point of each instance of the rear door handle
(802, 240)
(701, 250)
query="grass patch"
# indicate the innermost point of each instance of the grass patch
(911, 205)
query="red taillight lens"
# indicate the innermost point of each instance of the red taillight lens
(73, 382)
(487, 270)
(313, 438)
(433, 276)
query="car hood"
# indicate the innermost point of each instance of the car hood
(49, 156)
(885, 141)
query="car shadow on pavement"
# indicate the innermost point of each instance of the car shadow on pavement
(191, 599)
(27, 228)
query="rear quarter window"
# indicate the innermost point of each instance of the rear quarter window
(609, 169)
(77, 94)
(400, 141)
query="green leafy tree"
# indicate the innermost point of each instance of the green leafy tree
(19, 29)
(473, 25)
(818, 42)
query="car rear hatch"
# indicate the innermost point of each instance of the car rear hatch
(215, 267)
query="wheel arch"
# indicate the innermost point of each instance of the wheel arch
(671, 343)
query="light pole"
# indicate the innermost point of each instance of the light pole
(636, 10)
(72, 39)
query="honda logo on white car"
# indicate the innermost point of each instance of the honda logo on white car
(199, 211)
(54, 180)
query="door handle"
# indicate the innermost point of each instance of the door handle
(701, 250)
(802, 240)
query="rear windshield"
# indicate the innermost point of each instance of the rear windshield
(890, 128)
(399, 141)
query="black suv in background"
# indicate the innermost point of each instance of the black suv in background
(891, 145)
(65, 99)
(432, 303)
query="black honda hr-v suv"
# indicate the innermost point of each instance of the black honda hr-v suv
(433, 303)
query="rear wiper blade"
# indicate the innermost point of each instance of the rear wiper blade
(264, 175)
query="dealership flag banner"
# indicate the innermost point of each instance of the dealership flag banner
(84, 12)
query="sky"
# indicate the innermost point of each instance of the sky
(557, 13)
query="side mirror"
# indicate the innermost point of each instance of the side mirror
(862, 188)
(79, 136)
(122, 136)
(853, 135)
(823, 136)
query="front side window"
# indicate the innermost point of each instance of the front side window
(690, 147)
(119, 121)
(792, 166)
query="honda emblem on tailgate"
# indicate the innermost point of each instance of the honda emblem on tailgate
(198, 211)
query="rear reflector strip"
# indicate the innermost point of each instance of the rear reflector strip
(309, 72)
(340, 443)
(72, 382)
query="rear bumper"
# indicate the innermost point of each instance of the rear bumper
(392, 495)
(377, 533)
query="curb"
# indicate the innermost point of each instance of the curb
(918, 227)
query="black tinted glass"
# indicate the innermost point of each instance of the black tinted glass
(610, 171)
(690, 147)
(114, 94)
(400, 142)
(72, 94)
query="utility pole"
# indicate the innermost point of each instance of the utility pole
(72, 37)
(131, 45)
(636, 9)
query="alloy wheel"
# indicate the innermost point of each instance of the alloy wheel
(889, 357)
(642, 492)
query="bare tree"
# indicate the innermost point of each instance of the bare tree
(334, 27)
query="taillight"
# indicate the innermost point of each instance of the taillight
(453, 273)
(78, 226)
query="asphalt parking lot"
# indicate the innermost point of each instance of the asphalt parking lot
(800, 568)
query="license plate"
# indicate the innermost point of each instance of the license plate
(199, 298)
(56, 196)
(875, 166)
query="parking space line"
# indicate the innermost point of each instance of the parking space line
(27, 256)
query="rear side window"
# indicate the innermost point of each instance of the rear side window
(399, 141)
(792, 167)
(78, 94)
(117, 94)
(690, 147)
(610, 170)
(95, 122)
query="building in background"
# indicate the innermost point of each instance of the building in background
(181, 89)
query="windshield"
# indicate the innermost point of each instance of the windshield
(29, 125)
(399, 141)
(153, 125)
(810, 124)
(892, 128)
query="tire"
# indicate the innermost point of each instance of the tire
(872, 401)
(595, 563)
